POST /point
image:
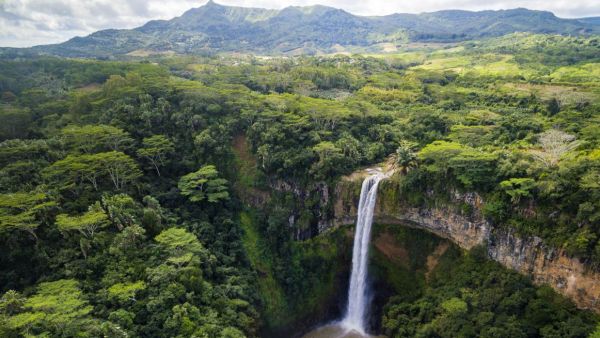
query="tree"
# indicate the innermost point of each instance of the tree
(87, 224)
(405, 156)
(51, 309)
(596, 333)
(15, 122)
(11, 302)
(204, 184)
(553, 107)
(124, 292)
(580, 242)
(212, 141)
(176, 239)
(232, 332)
(33, 150)
(92, 138)
(428, 126)
(69, 172)
(474, 168)
(153, 215)
(518, 188)
(20, 175)
(329, 158)
(554, 144)
(121, 210)
(121, 168)
(8, 96)
(91, 168)
(23, 211)
(454, 306)
(471, 135)
(436, 155)
(350, 146)
(155, 150)
(130, 239)
(182, 246)
(264, 152)
(188, 320)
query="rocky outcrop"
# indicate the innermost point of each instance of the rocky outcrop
(314, 198)
(546, 265)
(467, 227)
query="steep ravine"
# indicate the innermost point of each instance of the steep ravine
(528, 255)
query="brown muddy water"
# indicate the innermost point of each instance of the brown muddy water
(336, 331)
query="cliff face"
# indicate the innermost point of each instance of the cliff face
(546, 265)
(468, 228)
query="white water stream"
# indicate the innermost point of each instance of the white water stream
(358, 298)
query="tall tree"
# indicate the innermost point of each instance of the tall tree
(329, 158)
(182, 246)
(93, 138)
(155, 149)
(121, 210)
(204, 184)
(52, 309)
(121, 168)
(405, 156)
(74, 169)
(87, 224)
(554, 144)
(24, 211)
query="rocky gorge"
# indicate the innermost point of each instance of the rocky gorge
(467, 227)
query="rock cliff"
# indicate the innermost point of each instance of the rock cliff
(467, 227)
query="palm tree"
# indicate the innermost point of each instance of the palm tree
(405, 156)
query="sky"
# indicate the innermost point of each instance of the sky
(25, 23)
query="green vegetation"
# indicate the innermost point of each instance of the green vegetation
(298, 281)
(186, 196)
(204, 184)
(56, 309)
(469, 296)
(431, 288)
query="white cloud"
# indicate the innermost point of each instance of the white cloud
(31, 22)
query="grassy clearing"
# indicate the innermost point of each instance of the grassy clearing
(455, 63)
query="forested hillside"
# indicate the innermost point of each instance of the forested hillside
(181, 196)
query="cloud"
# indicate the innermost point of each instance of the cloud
(32, 22)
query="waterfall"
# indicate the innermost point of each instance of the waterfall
(357, 294)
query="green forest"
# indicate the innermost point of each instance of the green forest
(181, 196)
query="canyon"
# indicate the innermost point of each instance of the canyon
(528, 255)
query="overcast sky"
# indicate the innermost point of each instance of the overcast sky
(32, 22)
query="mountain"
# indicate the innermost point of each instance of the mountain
(296, 30)
(591, 20)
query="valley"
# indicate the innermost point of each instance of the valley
(198, 177)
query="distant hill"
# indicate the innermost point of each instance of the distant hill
(591, 21)
(306, 30)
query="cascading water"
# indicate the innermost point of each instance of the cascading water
(354, 322)
(357, 294)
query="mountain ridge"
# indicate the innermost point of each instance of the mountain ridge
(307, 30)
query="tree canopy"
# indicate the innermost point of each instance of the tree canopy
(204, 184)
